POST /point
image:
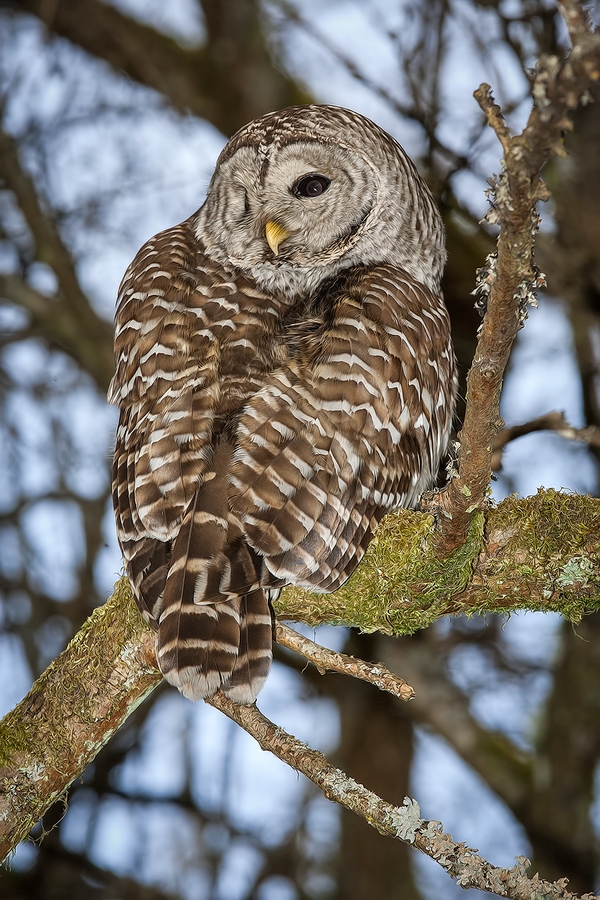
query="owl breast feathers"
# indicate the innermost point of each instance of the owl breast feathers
(285, 377)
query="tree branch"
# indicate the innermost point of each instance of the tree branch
(328, 660)
(72, 710)
(61, 328)
(107, 670)
(440, 705)
(510, 278)
(68, 319)
(552, 421)
(537, 553)
(404, 823)
(109, 667)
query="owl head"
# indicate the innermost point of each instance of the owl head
(301, 194)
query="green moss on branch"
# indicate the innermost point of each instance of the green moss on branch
(71, 711)
(537, 553)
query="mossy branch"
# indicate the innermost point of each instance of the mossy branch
(71, 712)
(539, 553)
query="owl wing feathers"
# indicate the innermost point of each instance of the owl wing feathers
(165, 382)
(251, 454)
(333, 442)
(185, 361)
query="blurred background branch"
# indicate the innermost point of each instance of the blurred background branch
(116, 124)
(228, 80)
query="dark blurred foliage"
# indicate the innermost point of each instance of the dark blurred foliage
(179, 800)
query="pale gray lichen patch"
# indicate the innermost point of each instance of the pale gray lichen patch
(406, 820)
(34, 772)
(577, 570)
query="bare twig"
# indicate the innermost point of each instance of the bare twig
(509, 280)
(293, 15)
(105, 673)
(77, 704)
(404, 823)
(552, 421)
(494, 116)
(419, 111)
(325, 659)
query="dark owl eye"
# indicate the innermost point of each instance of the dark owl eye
(311, 186)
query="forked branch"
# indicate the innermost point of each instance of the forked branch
(508, 282)
(553, 421)
(107, 670)
(73, 709)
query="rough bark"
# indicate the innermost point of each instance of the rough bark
(109, 667)
(510, 279)
(537, 553)
(72, 710)
(106, 671)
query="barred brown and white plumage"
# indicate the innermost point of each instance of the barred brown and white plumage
(285, 376)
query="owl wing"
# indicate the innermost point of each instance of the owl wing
(166, 384)
(188, 345)
(331, 443)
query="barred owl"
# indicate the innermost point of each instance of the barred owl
(285, 376)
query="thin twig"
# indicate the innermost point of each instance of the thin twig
(324, 660)
(293, 15)
(493, 114)
(552, 421)
(404, 823)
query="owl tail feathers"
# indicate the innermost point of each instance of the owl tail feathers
(214, 628)
(227, 646)
(255, 652)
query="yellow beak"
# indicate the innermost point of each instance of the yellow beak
(275, 235)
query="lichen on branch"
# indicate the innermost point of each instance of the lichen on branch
(540, 552)
(511, 278)
(515, 557)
